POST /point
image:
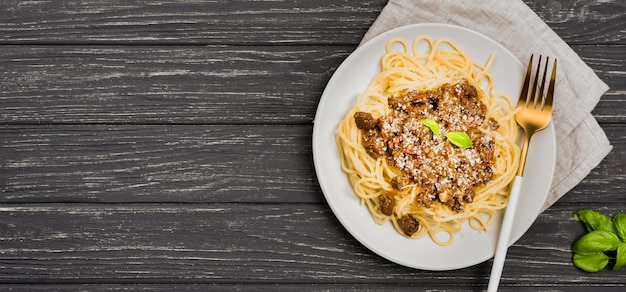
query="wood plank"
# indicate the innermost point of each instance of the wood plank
(190, 22)
(607, 182)
(584, 22)
(255, 22)
(195, 164)
(157, 164)
(200, 85)
(147, 85)
(609, 63)
(254, 244)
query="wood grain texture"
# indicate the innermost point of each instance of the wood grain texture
(113, 164)
(255, 22)
(234, 243)
(147, 85)
(272, 244)
(186, 22)
(611, 70)
(201, 85)
(582, 22)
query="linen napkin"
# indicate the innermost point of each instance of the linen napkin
(582, 144)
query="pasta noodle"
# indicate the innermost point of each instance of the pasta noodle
(408, 70)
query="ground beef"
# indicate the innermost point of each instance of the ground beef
(442, 171)
(364, 121)
(409, 224)
(374, 143)
(387, 202)
(400, 182)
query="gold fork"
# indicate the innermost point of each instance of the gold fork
(533, 114)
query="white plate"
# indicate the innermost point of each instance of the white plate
(470, 247)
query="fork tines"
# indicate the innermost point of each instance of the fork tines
(538, 94)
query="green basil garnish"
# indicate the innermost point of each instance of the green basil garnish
(456, 138)
(432, 125)
(596, 241)
(594, 220)
(592, 263)
(459, 139)
(605, 242)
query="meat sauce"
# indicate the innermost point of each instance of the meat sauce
(442, 171)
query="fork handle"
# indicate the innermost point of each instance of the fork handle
(505, 234)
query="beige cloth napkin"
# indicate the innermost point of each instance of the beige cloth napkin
(581, 143)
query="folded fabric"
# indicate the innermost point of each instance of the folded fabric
(582, 144)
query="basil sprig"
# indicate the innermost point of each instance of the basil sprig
(456, 138)
(606, 238)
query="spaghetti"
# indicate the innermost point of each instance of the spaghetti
(400, 149)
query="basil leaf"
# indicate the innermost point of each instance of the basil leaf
(619, 223)
(620, 257)
(592, 263)
(432, 125)
(459, 139)
(594, 220)
(596, 241)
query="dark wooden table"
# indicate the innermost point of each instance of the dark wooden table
(166, 145)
